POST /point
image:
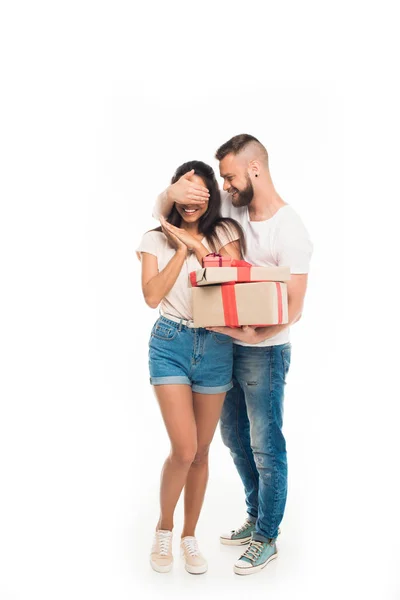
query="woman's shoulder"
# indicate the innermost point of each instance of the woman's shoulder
(153, 241)
(156, 237)
(226, 232)
(153, 234)
(228, 227)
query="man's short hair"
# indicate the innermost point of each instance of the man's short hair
(237, 144)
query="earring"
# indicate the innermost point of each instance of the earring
(256, 175)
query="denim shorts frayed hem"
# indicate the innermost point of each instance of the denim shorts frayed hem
(195, 388)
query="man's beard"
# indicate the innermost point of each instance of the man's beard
(244, 197)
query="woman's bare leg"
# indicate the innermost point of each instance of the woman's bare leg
(176, 406)
(207, 410)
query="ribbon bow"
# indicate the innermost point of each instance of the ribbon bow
(231, 262)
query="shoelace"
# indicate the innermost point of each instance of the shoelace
(253, 551)
(163, 539)
(245, 525)
(191, 546)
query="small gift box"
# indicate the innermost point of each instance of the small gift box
(216, 260)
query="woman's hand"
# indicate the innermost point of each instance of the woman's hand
(182, 235)
(175, 242)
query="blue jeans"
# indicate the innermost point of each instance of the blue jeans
(251, 427)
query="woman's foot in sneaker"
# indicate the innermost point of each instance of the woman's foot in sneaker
(161, 552)
(195, 562)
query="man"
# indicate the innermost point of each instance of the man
(252, 415)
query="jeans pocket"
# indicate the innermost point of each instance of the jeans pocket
(163, 331)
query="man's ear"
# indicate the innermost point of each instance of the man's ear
(254, 168)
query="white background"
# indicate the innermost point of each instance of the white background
(100, 103)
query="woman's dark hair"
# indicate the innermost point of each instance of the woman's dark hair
(212, 219)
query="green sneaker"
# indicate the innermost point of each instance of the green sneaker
(256, 557)
(239, 537)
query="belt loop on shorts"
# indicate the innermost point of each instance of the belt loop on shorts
(182, 322)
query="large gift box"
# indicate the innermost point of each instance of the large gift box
(239, 294)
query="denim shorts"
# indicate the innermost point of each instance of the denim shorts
(194, 356)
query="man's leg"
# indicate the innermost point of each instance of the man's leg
(261, 372)
(235, 432)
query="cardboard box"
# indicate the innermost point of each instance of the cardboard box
(240, 274)
(262, 303)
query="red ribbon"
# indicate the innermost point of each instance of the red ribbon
(243, 273)
(229, 305)
(193, 279)
(240, 263)
(280, 307)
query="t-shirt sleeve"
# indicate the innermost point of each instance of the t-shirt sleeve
(149, 243)
(226, 235)
(294, 247)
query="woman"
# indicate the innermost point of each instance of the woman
(190, 368)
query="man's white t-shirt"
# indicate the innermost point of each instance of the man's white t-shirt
(281, 240)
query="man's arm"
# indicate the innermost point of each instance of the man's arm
(163, 206)
(296, 288)
(184, 192)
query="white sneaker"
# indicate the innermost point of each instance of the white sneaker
(161, 558)
(195, 562)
